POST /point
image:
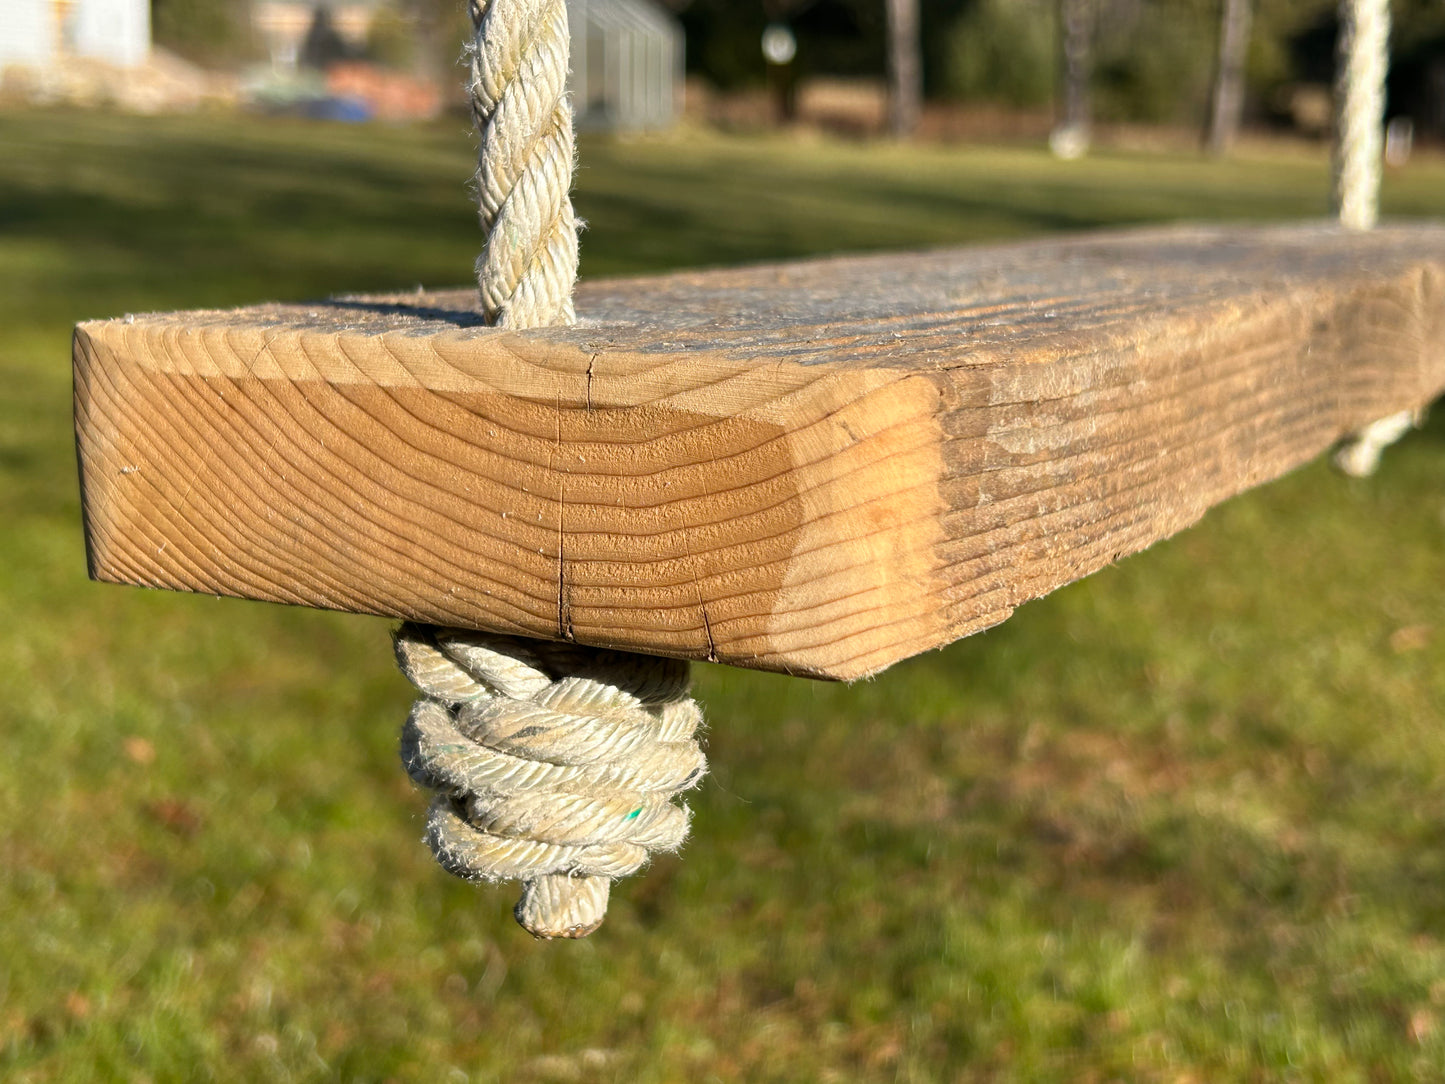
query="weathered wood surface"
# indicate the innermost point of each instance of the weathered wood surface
(819, 467)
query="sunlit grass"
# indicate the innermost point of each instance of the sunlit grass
(1182, 821)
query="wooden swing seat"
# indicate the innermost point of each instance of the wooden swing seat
(820, 467)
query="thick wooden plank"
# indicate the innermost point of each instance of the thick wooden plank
(820, 467)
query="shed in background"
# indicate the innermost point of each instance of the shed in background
(627, 64)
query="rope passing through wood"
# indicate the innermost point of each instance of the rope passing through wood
(556, 763)
(1362, 63)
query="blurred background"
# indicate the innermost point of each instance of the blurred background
(935, 68)
(1183, 821)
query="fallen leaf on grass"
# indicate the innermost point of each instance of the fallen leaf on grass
(1410, 638)
(174, 815)
(139, 750)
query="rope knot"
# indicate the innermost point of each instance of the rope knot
(556, 764)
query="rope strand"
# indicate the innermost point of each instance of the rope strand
(1361, 64)
(517, 79)
(555, 764)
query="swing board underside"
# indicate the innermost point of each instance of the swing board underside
(820, 467)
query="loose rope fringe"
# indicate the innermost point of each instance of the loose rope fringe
(517, 63)
(1360, 68)
(556, 764)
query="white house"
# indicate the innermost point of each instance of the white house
(37, 33)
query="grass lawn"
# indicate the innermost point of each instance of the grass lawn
(1183, 821)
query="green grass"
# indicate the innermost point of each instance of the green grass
(1184, 821)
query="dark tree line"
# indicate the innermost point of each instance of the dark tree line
(1209, 61)
(1157, 60)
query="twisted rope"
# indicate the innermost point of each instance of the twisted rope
(1361, 65)
(517, 78)
(556, 764)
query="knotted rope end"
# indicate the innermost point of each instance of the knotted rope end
(555, 765)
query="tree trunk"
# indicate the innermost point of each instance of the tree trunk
(783, 84)
(436, 52)
(1070, 139)
(1227, 105)
(905, 68)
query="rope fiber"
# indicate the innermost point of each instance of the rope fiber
(555, 764)
(517, 65)
(1361, 64)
